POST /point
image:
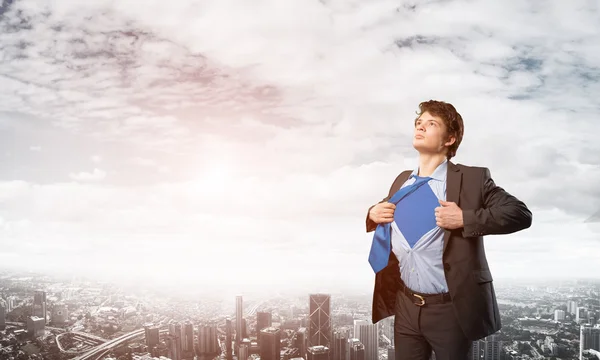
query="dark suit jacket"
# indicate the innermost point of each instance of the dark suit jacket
(487, 209)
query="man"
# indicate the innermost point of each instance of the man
(433, 273)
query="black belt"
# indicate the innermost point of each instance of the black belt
(421, 299)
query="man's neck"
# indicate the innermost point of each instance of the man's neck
(429, 162)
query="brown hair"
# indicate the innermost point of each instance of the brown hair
(450, 117)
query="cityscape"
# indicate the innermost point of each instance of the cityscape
(58, 319)
(190, 179)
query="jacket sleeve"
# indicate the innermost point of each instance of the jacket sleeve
(502, 213)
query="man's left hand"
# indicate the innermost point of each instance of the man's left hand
(448, 216)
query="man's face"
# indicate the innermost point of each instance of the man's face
(430, 135)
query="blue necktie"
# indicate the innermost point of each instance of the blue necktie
(381, 245)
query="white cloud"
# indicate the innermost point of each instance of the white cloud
(95, 175)
(268, 130)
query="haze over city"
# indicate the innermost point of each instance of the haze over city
(209, 144)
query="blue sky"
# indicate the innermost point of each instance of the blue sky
(219, 143)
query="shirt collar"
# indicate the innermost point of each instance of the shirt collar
(438, 174)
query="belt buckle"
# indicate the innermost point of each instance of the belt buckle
(421, 298)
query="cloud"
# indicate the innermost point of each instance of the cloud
(95, 175)
(269, 130)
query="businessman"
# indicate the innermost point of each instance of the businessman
(427, 252)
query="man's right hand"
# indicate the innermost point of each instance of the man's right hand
(382, 213)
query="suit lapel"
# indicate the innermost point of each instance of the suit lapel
(453, 182)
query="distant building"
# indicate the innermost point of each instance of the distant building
(208, 340)
(318, 352)
(589, 339)
(559, 315)
(3, 313)
(368, 334)
(40, 305)
(36, 326)
(270, 343)
(60, 314)
(319, 327)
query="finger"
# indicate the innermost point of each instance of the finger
(388, 205)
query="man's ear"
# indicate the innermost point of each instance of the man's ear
(450, 141)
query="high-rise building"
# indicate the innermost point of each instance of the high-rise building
(175, 341)
(239, 314)
(270, 343)
(3, 313)
(572, 306)
(39, 305)
(301, 342)
(356, 350)
(319, 327)
(208, 340)
(36, 326)
(11, 303)
(152, 336)
(60, 314)
(340, 344)
(368, 334)
(318, 352)
(488, 348)
(188, 337)
(580, 314)
(263, 320)
(559, 315)
(228, 339)
(589, 339)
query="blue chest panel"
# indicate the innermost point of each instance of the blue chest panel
(415, 214)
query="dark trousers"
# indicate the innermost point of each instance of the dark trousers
(419, 330)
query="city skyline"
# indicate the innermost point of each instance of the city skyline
(196, 145)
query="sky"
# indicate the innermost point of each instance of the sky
(217, 144)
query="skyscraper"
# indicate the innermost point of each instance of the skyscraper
(340, 344)
(263, 320)
(488, 348)
(228, 340)
(589, 338)
(175, 341)
(239, 313)
(356, 350)
(368, 334)
(300, 342)
(270, 344)
(2, 315)
(319, 327)
(207, 340)
(152, 336)
(188, 338)
(39, 305)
